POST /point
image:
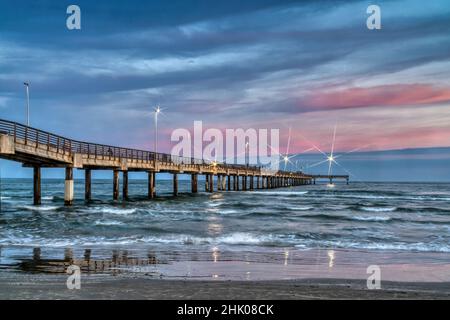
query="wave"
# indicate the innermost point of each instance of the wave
(281, 193)
(349, 218)
(228, 211)
(301, 208)
(40, 208)
(215, 204)
(378, 209)
(384, 197)
(238, 238)
(371, 218)
(418, 246)
(108, 223)
(109, 210)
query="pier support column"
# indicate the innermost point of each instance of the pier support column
(151, 185)
(211, 183)
(257, 182)
(116, 185)
(125, 185)
(68, 187)
(87, 185)
(224, 183)
(194, 183)
(228, 182)
(175, 184)
(252, 178)
(219, 182)
(36, 185)
(206, 182)
(235, 182)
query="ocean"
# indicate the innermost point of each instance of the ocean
(401, 222)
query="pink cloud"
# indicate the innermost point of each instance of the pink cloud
(387, 95)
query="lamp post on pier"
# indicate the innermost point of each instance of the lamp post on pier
(27, 89)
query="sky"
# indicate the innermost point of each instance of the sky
(304, 65)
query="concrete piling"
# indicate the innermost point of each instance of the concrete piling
(37, 185)
(68, 187)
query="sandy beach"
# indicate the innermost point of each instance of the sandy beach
(37, 286)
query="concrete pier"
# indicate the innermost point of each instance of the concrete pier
(175, 184)
(36, 185)
(68, 188)
(116, 185)
(207, 183)
(38, 149)
(211, 183)
(151, 184)
(125, 185)
(194, 183)
(87, 185)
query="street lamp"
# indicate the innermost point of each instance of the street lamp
(27, 89)
(157, 111)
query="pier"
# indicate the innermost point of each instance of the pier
(38, 149)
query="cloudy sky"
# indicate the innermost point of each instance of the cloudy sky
(232, 64)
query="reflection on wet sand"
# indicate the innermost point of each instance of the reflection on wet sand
(219, 264)
(119, 260)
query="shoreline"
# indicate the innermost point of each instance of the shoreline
(17, 286)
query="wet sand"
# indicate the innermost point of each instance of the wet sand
(38, 286)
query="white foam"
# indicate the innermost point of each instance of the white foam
(361, 218)
(40, 208)
(379, 209)
(119, 211)
(240, 238)
(229, 211)
(282, 193)
(301, 208)
(417, 246)
(108, 223)
(215, 204)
